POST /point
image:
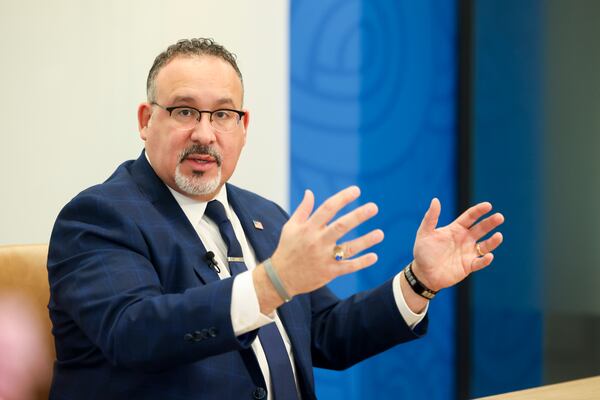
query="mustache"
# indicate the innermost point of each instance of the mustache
(200, 149)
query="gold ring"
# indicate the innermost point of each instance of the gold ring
(338, 253)
(478, 248)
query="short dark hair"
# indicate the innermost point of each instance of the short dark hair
(188, 47)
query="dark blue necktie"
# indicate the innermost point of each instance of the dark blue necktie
(282, 376)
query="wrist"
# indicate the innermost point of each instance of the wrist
(276, 281)
(268, 298)
(417, 285)
(415, 303)
(278, 264)
(422, 277)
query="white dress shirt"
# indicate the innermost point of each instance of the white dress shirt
(245, 310)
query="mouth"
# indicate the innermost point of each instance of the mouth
(200, 153)
(200, 162)
(201, 158)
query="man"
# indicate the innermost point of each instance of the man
(168, 283)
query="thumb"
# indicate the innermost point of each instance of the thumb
(305, 207)
(430, 220)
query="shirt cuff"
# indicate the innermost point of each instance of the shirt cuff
(410, 317)
(245, 310)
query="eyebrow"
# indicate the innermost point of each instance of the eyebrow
(188, 99)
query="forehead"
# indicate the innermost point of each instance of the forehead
(201, 78)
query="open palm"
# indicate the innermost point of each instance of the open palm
(445, 256)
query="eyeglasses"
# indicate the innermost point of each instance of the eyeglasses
(222, 120)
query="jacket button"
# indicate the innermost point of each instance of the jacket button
(259, 393)
(198, 336)
(212, 332)
(188, 337)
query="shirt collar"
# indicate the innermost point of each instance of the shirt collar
(194, 209)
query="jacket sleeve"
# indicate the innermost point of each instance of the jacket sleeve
(345, 332)
(102, 277)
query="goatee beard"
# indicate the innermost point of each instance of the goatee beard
(197, 185)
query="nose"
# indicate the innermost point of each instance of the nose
(203, 132)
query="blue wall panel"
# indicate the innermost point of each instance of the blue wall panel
(507, 315)
(373, 88)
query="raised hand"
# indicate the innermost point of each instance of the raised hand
(304, 257)
(447, 255)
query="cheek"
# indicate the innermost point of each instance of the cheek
(231, 154)
(165, 149)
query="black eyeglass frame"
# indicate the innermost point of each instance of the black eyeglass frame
(170, 111)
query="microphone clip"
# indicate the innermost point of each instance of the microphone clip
(209, 257)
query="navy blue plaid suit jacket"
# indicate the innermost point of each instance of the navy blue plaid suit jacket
(138, 314)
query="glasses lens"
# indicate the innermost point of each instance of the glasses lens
(185, 117)
(224, 120)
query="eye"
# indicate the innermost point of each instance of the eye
(185, 113)
(222, 115)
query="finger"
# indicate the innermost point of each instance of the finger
(332, 205)
(469, 217)
(481, 262)
(431, 217)
(304, 208)
(347, 222)
(355, 264)
(489, 245)
(485, 226)
(362, 243)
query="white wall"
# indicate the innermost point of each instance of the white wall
(71, 77)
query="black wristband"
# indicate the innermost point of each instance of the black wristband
(416, 285)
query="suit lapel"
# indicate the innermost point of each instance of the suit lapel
(262, 240)
(162, 199)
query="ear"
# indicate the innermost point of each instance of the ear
(246, 121)
(144, 113)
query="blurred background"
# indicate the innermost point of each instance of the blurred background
(465, 100)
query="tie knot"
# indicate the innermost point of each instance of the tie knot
(216, 212)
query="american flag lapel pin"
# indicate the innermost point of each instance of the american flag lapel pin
(258, 224)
